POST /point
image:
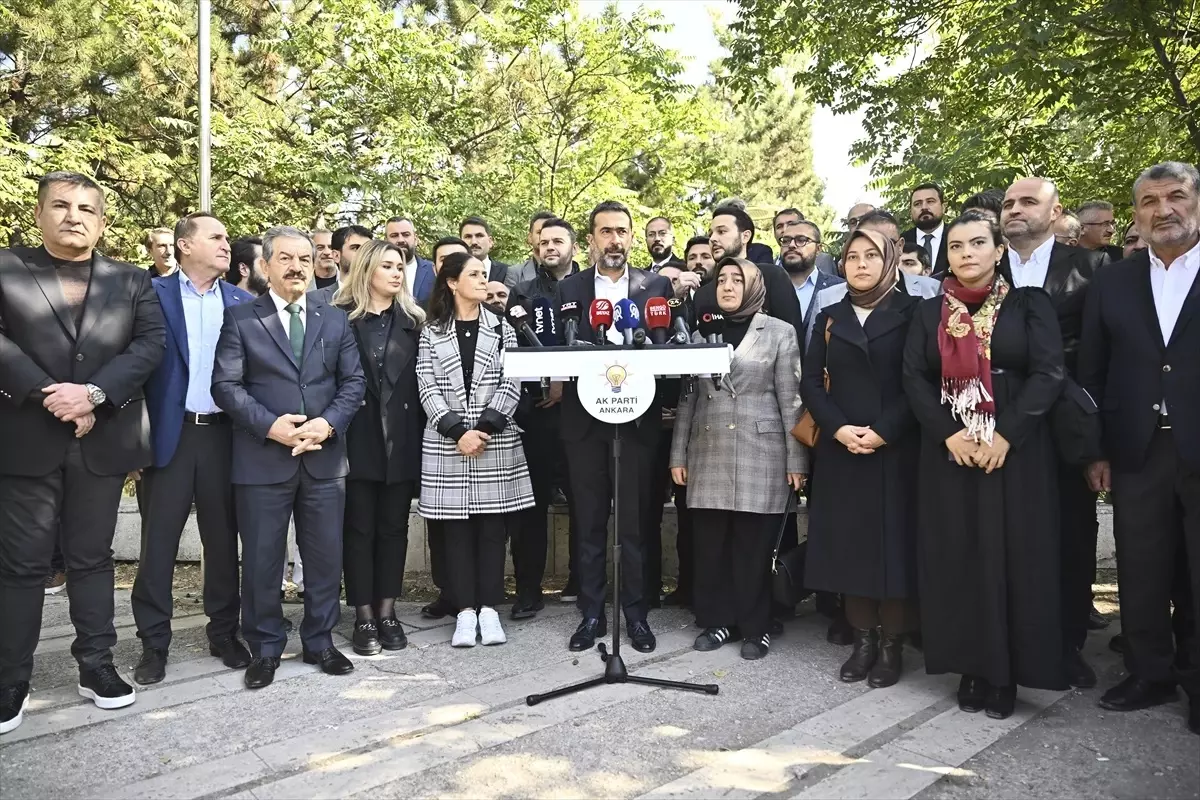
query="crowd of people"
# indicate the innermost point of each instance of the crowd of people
(948, 400)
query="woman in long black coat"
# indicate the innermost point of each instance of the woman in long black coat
(988, 544)
(862, 499)
(383, 443)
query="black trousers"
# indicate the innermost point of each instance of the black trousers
(199, 471)
(434, 537)
(1151, 508)
(660, 482)
(733, 570)
(529, 529)
(263, 511)
(1080, 527)
(475, 560)
(591, 473)
(83, 506)
(684, 543)
(375, 539)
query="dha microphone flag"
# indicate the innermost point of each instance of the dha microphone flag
(658, 319)
(627, 318)
(545, 325)
(600, 318)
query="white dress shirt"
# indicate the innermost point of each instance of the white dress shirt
(1170, 286)
(410, 277)
(284, 317)
(613, 291)
(1031, 272)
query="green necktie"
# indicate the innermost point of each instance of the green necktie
(296, 337)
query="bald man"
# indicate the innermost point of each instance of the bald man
(1029, 216)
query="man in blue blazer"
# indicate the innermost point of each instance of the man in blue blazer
(191, 443)
(287, 373)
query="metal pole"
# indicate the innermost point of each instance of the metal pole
(205, 106)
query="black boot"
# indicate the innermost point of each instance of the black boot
(866, 650)
(887, 668)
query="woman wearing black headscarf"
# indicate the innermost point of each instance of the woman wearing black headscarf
(732, 450)
(862, 510)
(982, 366)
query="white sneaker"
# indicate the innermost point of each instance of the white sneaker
(464, 632)
(490, 631)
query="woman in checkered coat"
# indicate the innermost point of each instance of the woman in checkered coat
(473, 469)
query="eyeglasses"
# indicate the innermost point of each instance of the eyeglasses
(797, 241)
(657, 234)
(1108, 223)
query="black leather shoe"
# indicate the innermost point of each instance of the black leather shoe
(586, 634)
(1096, 620)
(1079, 672)
(438, 608)
(365, 640)
(232, 653)
(840, 632)
(527, 605)
(972, 693)
(1133, 694)
(331, 661)
(391, 634)
(1117, 643)
(261, 672)
(1000, 701)
(890, 662)
(152, 667)
(866, 650)
(642, 637)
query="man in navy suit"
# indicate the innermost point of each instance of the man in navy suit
(191, 444)
(419, 272)
(288, 375)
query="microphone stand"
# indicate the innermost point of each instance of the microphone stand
(614, 665)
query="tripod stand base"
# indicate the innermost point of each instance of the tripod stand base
(615, 672)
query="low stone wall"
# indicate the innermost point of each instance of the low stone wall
(127, 543)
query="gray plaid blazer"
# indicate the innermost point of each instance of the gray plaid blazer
(454, 486)
(736, 442)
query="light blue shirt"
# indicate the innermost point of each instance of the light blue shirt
(804, 292)
(203, 314)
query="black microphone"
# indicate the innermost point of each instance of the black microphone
(639, 338)
(569, 313)
(681, 334)
(545, 325)
(712, 328)
(518, 317)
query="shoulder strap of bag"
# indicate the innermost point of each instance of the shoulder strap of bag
(791, 509)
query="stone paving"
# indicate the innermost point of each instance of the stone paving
(431, 721)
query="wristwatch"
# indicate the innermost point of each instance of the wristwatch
(96, 395)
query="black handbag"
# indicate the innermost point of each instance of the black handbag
(787, 571)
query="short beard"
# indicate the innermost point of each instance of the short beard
(658, 252)
(406, 251)
(613, 260)
(733, 253)
(256, 284)
(927, 225)
(805, 265)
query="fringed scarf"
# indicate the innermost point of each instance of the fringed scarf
(965, 345)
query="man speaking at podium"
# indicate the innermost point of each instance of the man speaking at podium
(588, 442)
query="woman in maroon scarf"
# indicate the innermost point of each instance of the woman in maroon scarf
(982, 366)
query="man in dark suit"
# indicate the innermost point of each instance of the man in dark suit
(191, 442)
(79, 335)
(287, 373)
(799, 247)
(730, 233)
(790, 216)
(660, 244)
(588, 442)
(1141, 333)
(1097, 225)
(476, 232)
(926, 207)
(419, 272)
(1031, 208)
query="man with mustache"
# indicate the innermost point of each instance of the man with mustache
(245, 266)
(79, 335)
(660, 241)
(1141, 333)
(588, 442)
(287, 373)
(326, 272)
(418, 272)
(926, 207)
(476, 232)
(1098, 226)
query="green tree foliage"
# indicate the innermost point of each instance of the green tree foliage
(977, 92)
(342, 111)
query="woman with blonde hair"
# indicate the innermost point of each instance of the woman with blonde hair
(383, 443)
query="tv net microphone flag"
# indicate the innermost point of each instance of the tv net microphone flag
(518, 317)
(545, 324)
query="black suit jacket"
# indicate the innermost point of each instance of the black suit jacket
(498, 272)
(256, 380)
(384, 440)
(577, 423)
(121, 339)
(781, 302)
(1127, 369)
(941, 266)
(1070, 272)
